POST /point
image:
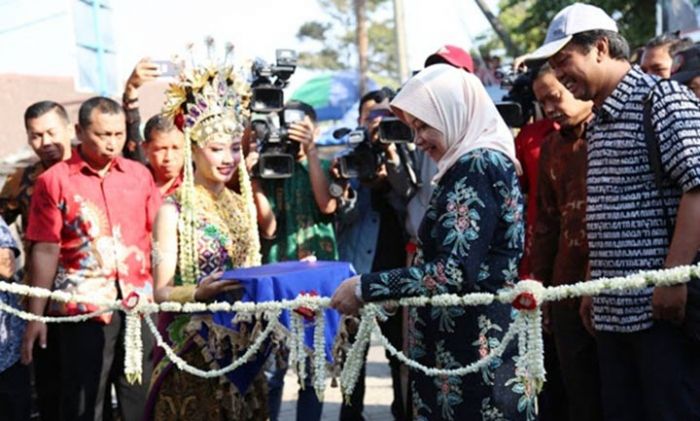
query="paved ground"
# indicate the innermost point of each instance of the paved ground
(378, 394)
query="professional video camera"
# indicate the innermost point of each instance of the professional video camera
(518, 105)
(393, 130)
(363, 158)
(366, 156)
(270, 120)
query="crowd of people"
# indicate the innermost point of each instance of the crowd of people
(605, 185)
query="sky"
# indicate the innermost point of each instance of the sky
(38, 36)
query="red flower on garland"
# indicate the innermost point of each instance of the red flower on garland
(131, 300)
(525, 301)
(307, 313)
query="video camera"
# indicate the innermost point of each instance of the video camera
(363, 158)
(393, 130)
(270, 120)
(518, 105)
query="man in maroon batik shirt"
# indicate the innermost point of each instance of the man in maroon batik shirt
(559, 253)
(90, 220)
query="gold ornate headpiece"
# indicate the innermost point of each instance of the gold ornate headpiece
(209, 99)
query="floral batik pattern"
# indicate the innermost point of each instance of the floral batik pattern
(471, 240)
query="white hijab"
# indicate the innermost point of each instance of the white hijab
(455, 103)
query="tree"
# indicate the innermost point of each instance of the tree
(362, 41)
(335, 38)
(527, 20)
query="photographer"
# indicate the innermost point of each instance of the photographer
(302, 203)
(162, 149)
(303, 209)
(372, 213)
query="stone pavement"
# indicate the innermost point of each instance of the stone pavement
(378, 393)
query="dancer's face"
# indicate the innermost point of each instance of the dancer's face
(217, 160)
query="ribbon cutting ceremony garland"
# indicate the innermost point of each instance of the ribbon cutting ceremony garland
(527, 297)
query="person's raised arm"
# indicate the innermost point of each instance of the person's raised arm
(303, 132)
(144, 71)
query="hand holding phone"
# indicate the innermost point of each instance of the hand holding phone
(166, 68)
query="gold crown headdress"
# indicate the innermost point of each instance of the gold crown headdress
(208, 101)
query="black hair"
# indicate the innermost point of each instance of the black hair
(302, 106)
(542, 69)
(40, 108)
(618, 47)
(376, 96)
(671, 39)
(158, 123)
(102, 104)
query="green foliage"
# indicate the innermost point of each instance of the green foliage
(313, 30)
(335, 38)
(527, 20)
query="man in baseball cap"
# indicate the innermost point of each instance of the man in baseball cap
(686, 68)
(572, 20)
(453, 55)
(649, 370)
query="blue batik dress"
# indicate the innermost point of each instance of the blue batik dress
(471, 240)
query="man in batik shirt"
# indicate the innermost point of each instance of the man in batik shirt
(49, 133)
(91, 220)
(559, 247)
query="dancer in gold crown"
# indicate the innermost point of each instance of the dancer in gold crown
(202, 230)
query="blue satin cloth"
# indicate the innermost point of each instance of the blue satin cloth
(284, 281)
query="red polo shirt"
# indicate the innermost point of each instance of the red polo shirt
(103, 225)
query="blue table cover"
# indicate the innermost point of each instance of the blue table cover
(285, 281)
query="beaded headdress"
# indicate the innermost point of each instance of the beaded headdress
(208, 101)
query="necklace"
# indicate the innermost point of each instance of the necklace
(230, 221)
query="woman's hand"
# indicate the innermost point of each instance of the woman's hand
(211, 286)
(344, 299)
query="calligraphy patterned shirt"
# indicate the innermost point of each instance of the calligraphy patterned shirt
(624, 216)
(103, 226)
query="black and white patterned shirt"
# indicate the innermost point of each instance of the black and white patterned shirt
(626, 228)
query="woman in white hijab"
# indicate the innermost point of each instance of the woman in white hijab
(470, 240)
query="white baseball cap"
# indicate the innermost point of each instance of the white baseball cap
(571, 20)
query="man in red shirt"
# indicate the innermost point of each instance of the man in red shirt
(90, 220)
(164, 148)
